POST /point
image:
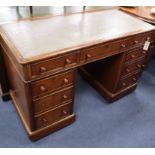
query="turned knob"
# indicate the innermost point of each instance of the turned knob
(123, 45)
(132, 56)
(136, 41)
(42, 88)
(64, 112)
(123, 84)
(43, 104)
(134, 79)
(143, 65)
(88, 56)
(143, 52)
(127, 70)
(43, 69)
(68, 61)
(44, 120)
(65, 96)
(66, 81)
(138, 65)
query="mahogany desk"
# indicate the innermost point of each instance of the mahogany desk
(42, 56)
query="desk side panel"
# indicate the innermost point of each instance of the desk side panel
(20, 93)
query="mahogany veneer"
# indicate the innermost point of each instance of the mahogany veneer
(42, 56)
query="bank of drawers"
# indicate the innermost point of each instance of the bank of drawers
(134, 62)
(53, 98)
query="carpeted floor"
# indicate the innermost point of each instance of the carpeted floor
(129, 122)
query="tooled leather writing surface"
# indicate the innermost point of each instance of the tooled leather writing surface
(34, 38)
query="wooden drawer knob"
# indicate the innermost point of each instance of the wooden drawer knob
(136, 41)
(88, 56)
(42, 69)
(42, 88)
(132, 56)
(66, 81)
(143, 52)
(134, 79)
(64, 112)
(127, 70)
(44, 120)
(68, 61)
(123, 84)
(123, 45)
(65, 96)
(143, 65)
(139, 66)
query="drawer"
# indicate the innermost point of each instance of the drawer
(53, 100)
(53, 116)
(135, 54)
(102, 51)
(136, 41)
(124, 83)
(52, 83)
(54, 64)
(128, 69)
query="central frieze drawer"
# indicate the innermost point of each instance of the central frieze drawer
(53, 100)
(54, 64)
(47, 85)
(53, 116)
(102, 51)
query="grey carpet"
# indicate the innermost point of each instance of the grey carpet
(128, 122)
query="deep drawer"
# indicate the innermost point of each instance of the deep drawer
(52, 83)
(124, 83)
(53, 116)
(136, 66)
(135, 54)
(53, 100)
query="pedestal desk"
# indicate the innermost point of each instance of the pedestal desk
(110, 48)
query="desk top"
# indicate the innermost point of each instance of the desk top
(37, 39)
(143, 12)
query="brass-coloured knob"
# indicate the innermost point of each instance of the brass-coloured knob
(42, 88)
(43, 69)
(68, 61)
(127, 70)
(66, 80)
(88, 56)
(123, 84)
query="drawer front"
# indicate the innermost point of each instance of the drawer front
(136, 41)
(128, 81)
(47, 85)
(101, 51)
(53, 116)
(128, 69)
(53, 100)
(135, 54)
(54, 64)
